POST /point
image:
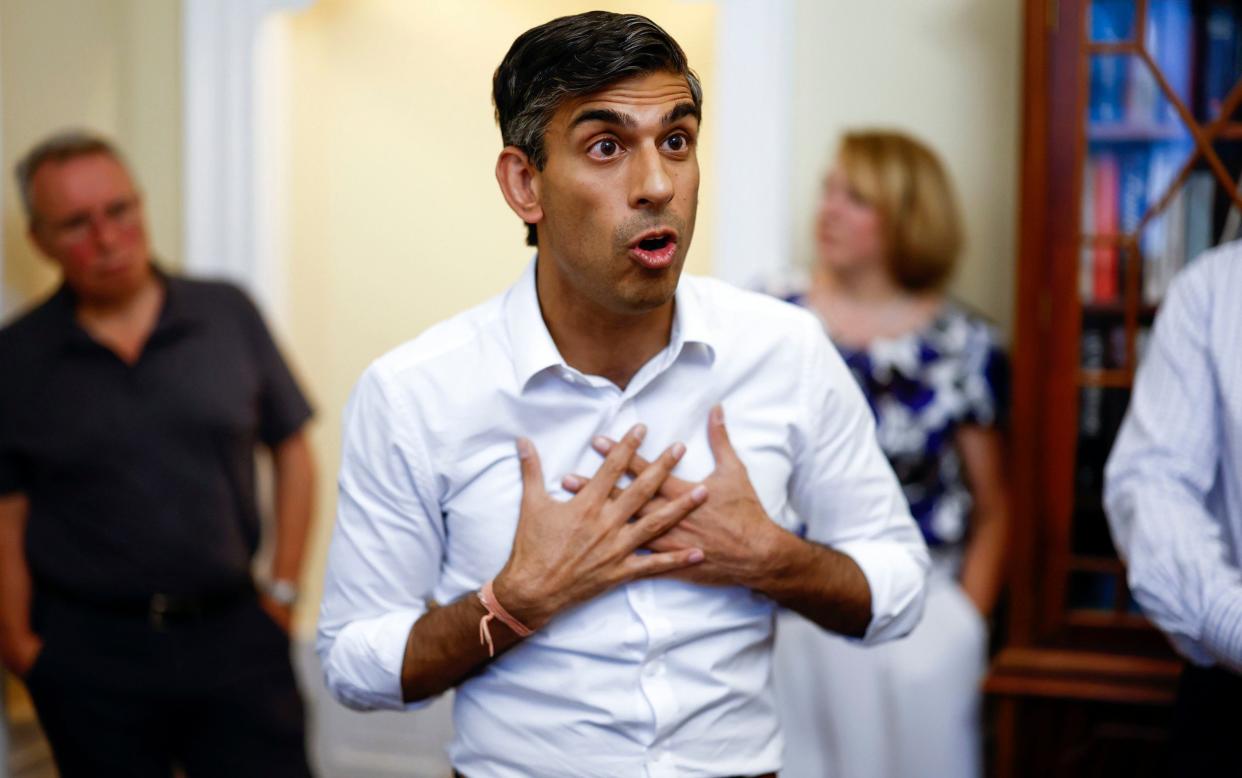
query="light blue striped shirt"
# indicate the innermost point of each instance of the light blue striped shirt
(1173, 484)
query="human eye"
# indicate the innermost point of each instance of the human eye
(120, 210)
(677, 143)
(604, 148)
(73, 225)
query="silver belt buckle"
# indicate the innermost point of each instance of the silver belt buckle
(159, 608)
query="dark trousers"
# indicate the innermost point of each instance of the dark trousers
(213, 694)
(1207, 722)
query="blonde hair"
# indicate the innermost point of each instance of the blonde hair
(906, 183)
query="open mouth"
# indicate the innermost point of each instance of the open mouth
(655, 244)
(655, 250)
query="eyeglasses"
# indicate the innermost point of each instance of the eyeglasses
(119, 214)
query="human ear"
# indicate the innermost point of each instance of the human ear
(38, 236)
(519, 184)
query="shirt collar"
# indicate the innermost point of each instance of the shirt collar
(531, 344)
(175, 315)
(534, 350)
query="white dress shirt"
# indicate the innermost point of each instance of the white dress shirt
(655, 678)
(1173, 484)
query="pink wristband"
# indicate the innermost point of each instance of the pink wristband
(496, 611)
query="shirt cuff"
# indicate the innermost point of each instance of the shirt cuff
(363, 667)
(897, 576)
(1222, 630)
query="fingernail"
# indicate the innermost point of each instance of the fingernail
(698, 493)
(639, 432)
(602, 444)
(524, 448)
(696, 556)
(717, 414)
(571, 483)
(679, 450)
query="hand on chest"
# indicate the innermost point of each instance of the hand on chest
(481, 507)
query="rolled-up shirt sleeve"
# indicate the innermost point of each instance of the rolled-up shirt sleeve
(386, 550)
(846, 493)
(1159, 482)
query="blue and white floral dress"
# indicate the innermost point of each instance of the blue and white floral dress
(910, 707)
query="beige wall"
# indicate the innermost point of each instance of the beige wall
(946, 70)
(393, 215)
(395, 219)
(110, 65)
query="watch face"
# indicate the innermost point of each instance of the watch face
(283, 592)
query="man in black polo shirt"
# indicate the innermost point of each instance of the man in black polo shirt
(131, 403)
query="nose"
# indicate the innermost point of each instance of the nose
(651, 184)
(830, 204)
(105, 231)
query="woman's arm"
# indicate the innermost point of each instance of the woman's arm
(982, 453)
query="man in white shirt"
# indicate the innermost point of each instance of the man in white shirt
(548, 477)
(1173, 491)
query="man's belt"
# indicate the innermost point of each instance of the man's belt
(159, 608)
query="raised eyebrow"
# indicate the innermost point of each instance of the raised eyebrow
(682, 110)
(606, 115)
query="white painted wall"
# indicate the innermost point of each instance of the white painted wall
(946, 70)
(109, 65)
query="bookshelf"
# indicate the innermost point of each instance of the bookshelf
(1132, 147)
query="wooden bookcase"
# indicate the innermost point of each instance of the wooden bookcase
(1132, 144)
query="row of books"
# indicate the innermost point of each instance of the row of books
(1123, 88)
(1119, 187)
(1100, 413)
(1103, 347)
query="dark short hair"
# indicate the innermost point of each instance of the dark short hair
(60, 146)
(573, 56)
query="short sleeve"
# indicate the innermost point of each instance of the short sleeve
(10, 470)
(283, 408)
(985, 378)
(10, 477)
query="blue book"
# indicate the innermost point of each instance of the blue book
(1133, 189)
(1220, 56)
(1200, 192)
(1108, 88)
(1112, 20)
(1172, 45)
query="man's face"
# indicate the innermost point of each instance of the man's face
(619, 193)
(88, 220)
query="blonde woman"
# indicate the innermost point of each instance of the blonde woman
(887, 235)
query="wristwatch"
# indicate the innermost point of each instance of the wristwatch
(282, 591)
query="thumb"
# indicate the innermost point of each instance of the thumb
(718, 438)
(532, 470)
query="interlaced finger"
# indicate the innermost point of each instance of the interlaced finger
(649, 565)
(614, 466)
(574, 483)
(672, 486)
(658, 522)
(630, 499)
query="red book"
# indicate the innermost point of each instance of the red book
(1106, 210)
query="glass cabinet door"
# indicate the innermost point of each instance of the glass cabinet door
(1160, 162)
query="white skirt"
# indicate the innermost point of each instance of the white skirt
(908, 708)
